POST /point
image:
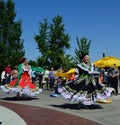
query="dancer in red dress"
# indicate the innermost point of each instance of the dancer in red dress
(23, 85)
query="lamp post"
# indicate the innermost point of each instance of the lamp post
(103, 54)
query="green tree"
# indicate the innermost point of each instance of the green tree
(83, 48)
(52, 42)
(68, 62)
(11, 46)
(33, 63)
(43, 42)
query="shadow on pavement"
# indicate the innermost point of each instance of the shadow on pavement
(77, 107)
(15, 98)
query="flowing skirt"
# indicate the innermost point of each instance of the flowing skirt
(86, 91)
(23, 87)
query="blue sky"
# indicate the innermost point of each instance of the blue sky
(97, 20)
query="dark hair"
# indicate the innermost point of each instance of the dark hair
(22, 59)
(83, 55)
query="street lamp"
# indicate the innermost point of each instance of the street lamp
(103, 54)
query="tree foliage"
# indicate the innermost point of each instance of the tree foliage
(52, 42)
(33, 63)
(83, 48)
(11, 46)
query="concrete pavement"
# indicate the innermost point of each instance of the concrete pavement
(8, 117)
(105, 114)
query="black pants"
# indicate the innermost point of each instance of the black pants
(114, 84)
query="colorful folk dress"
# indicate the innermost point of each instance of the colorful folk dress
(85, 88)
(22, 85)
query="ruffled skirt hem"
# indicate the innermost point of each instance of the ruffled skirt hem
(17, 90)
(83, 98)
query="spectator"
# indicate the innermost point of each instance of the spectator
(52, 78)
(7, 74)
(114, 78)
(14, 73)
(3, 78)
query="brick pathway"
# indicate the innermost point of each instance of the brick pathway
(42, 116)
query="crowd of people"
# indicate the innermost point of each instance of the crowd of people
(110, 77)
(82, 84)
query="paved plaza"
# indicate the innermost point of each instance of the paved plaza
(101, 113)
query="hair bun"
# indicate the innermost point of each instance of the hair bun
(22, 59)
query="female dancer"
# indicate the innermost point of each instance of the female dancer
(22, 85)
(84, 89)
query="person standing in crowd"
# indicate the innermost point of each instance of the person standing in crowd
(84, 89)
(2, 78)
(114, 78)
(7, 74)
(23, 84)
(52, 78)
(37, 74)
(8, 69)
(57, 82)
(45, 78)
(14, 73)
